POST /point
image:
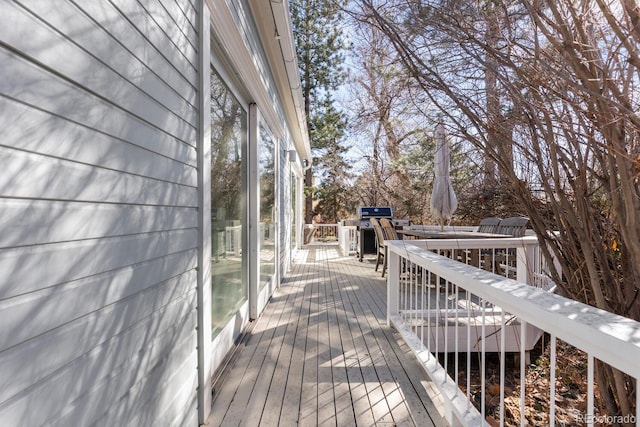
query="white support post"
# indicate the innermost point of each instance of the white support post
(393, 285)
(525, 264)
(205, 368)
(253, 204)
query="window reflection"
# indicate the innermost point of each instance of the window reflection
(228, 177)
(266, 171)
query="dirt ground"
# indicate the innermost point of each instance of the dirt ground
(571, 386)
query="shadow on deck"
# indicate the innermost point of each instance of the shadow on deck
(322, 354)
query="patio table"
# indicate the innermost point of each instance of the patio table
(434, 234)
(466, 256)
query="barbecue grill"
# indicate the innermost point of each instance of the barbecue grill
(366, 234)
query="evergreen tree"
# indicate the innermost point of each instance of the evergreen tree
(319, 44)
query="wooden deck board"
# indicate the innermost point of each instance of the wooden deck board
(370, 318)
(289, 413)
(276, 394)
(255, 372)
(322, 354)
(266, 376)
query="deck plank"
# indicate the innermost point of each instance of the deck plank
(255, 371)
(345, 414)
(407, 396)
(276, 393)
(264, 381)
(303, 272)
(322, 354)
(326, 397)
(371, 315)
(309, 395)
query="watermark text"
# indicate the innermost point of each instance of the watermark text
(607, 419)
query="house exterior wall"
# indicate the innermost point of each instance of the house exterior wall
(104, 249)
(99, 202)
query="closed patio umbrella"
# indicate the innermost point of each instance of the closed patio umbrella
(443, 199)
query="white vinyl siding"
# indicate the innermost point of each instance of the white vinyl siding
(99, 201)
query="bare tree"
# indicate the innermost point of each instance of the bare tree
(381, 101)
(388, 112)
(548, 90)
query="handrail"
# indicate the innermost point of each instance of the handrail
(608, 337)
(528, 260)
(427, 227)
(500, 242)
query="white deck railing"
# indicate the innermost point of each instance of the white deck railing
(346, 235)
(233, 240)
(321, 232)
(440, 304)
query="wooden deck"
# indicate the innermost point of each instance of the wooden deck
(322, 354)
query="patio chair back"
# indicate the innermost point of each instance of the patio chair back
(381, 248)
(390, 232)
(489, 225)
(514, 226)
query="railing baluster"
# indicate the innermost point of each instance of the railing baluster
(483, 360)
(456, 367)
(429, 334)
(416, 296)
(405, 294)
(590, 412)
(552, 382)
(419, 291)
(393, 285)
(437, 316)
(502, 366)
(412, 299)
(423, 279)
(493, 260)
(414, 280)
(523, 338)
(445, 327)
(468, 349)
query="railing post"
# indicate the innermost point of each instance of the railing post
(525, 264)
(393, 284)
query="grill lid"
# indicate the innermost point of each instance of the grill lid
(375, 212)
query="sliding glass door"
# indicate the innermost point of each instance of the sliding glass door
(229, 287)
